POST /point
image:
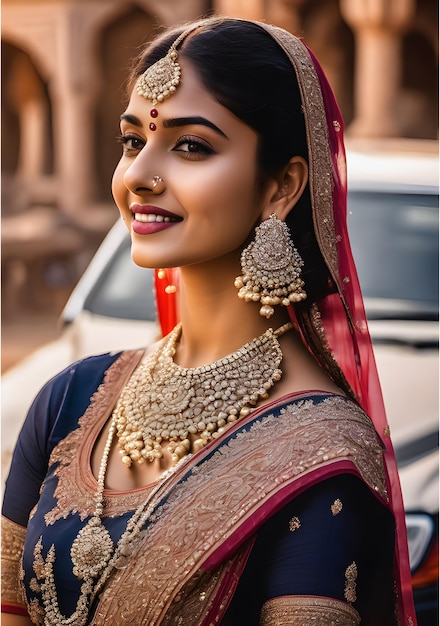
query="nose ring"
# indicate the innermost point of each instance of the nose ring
(158, 185)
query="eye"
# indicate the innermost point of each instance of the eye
(130, 143)
(193, 148)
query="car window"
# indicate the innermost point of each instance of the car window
(395, 238)
(123, 290)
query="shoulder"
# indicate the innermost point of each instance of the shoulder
(322, 429)
(324, 408)
(90, 370)
(65, 397)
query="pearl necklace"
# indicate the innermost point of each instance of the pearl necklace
(165, 402)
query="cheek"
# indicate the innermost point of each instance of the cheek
(118, 187)
(227, 188)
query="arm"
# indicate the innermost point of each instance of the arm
(13, 604)
(9, 619)
(26, 475)
(327, 553)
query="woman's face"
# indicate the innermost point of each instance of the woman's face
(208, 160)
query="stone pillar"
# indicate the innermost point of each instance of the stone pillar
(285, 13)
(378, 26)
(282, 13)
(74, 89)
(245, 9)
(27, 94)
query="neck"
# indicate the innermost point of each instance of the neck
(215, 322)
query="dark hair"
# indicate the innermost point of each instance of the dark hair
(247, 72)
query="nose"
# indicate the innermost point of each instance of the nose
(138, 177)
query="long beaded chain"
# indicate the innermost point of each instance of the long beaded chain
(93, 553)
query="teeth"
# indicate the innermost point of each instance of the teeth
(150, 217)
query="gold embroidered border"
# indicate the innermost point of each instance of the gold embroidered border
(239, 477)
(75, 483)
(12, 543)
(300, 610)
(320, 163)
(197, 601)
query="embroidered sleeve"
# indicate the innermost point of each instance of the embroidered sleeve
(299, 610)
(335, 540)
(12, 548)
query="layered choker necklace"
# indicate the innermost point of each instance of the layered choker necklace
(188, 407)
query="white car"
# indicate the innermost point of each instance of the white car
(393, 221)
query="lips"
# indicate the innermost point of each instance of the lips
(150, 219)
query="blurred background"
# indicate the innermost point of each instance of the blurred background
(69, 289)
(63, 66)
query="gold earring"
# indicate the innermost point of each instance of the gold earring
(169, 289)
(271, 268)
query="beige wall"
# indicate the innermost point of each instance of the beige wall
(64, 62)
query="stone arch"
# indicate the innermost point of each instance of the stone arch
(27, 136)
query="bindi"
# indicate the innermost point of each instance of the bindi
(154, 113)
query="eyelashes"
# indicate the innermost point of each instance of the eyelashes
(130, 143)
(195, 146)
(189, 146)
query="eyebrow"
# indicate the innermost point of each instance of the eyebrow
(131, 119)
(176, 122)
(184, 121)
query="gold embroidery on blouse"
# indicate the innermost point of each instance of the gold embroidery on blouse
(245, 470)
(294, 524)
(12, 541)
(36, 613)
(76, 483)
(350, 582)
(300, 610)
(336, 507)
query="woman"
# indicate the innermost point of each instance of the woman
(228, 474)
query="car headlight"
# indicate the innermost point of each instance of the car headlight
(420, 530)
(423, 550)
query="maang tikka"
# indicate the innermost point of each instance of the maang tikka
(271, 268)
(160, 80)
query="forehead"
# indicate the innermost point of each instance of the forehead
(191, 98)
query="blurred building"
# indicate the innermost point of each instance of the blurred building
(63, 66)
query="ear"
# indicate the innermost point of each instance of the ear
(284, 190)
